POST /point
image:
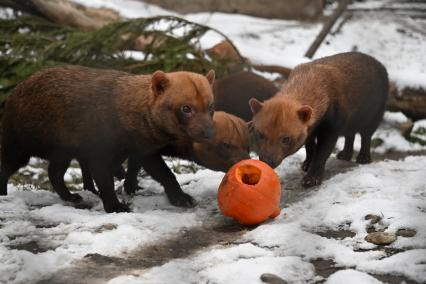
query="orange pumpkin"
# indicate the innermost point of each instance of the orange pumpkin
(250, 192)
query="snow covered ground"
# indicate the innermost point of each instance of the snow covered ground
(40, 234)
(286, 245)
(43, 237)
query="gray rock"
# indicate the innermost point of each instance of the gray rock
(106, 227)
(272, 279)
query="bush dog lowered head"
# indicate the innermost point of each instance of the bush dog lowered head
(229, 146)
(339, 95)
(101, 117)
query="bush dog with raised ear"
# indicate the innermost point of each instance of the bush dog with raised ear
(101, 117)
(229, 146)
(339, 95)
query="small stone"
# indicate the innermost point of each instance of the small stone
(374, 218)
(380, 238)
(371, 229)
(106, 227)
(406, 233)
(272, 279)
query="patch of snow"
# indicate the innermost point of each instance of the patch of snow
(411, 263)
(7, 13)
(392, 189)
(408, 78)
(238, 264)
(137, 55)
(267, 75)
(395, 117)
(350, 276)
(75, 232)
(262, 41)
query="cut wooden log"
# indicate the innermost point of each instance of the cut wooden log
(282, 9)
(410, 101)
(66, 13)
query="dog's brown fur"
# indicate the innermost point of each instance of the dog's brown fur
(229, 145)
(233, 92)
(339, 95)
(102, 116)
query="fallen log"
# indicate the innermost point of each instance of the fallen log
(66, 13)
(408, 100)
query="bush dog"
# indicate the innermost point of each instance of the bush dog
(334, 96)
(101, 117)
(233, 92)
(229, 146)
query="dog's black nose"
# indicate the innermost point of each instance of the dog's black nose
(270, 161)
(208, 133)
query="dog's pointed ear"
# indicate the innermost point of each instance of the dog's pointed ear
(210, 77)
(159, 82)
(305, 113)
(255, 105)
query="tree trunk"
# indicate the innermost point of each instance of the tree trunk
(327, 27)
(65, 13)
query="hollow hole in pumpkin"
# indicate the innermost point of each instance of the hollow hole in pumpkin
(248, 174)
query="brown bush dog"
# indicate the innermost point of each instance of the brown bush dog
(334, 96)
(233, 92)
(100, 117)
(229, 145)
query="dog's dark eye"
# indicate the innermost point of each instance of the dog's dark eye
(285, 140)
(186, 109)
